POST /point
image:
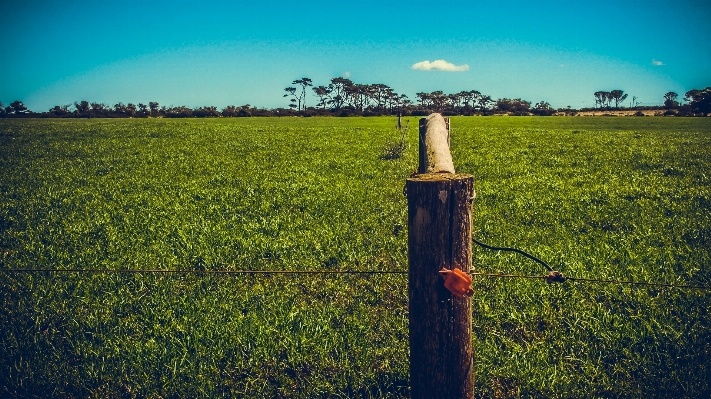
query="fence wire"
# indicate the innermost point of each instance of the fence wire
(547, 278)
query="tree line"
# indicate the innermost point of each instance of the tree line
(343, 97)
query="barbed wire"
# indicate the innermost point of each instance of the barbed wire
(557, 278)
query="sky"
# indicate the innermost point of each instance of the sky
(234, 53)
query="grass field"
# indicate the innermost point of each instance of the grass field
(625, 198)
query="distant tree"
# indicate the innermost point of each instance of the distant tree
(130, 110)
(245, 110)
(439, 100)
(99, 110)
(322, 92)
(699, 100)
(424, 99)
(206, 112)
(154, 108)
(454, 102)
(229, 111)
(618, 97)
(400, 101)
(304, 83)
(339, 92)
(142, 109)
(360, 96)
(670, 100)
(2, 109)
(381, 95)
(60, 111)
(634, 102)
(543, 109)
(16, 107)
(82, 109)
(119, 109)
(602, 98)
(515, 106)
(291, 91)
(298, 99)
(178, 112)
(468, 98)
(484, 102)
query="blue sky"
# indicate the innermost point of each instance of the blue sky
(222, 53)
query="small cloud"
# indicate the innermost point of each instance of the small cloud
(439, 65)
(346, 74)
(561, 66)
(657, 63)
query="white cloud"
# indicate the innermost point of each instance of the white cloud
(657, 63)
(439, 65)
(346, 74)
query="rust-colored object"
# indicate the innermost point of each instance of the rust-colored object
(457, 282)
(555, 277)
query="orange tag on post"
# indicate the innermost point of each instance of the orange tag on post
(457, 282)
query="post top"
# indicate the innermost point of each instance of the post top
(437, 177)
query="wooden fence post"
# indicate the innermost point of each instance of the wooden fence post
(439, 220)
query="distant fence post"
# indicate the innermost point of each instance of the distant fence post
(439, 220)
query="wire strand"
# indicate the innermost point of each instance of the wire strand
(518, 251)
(195, 271)
(352, 272)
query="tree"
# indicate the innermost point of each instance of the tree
(143, 109)
(82, 109)
(602, 98)
(130, 110)
(119, 109)
(670, 100)
(424, 99)
(699, 100)
(438, 99)
(16, 107)
(543, 109)
(484, 102)
(401, 101)
(229, 111)
(339, 91)
(206, 112)
(99, 110)
(299, 100)
(322, 92)
(154, 108)
(178, 112)
(60, 110)
(380, 94)
(291, 91)
(468, 97)
(455, 101)
(516, 106)
(360, 95)
(2, 110)
(617, 96)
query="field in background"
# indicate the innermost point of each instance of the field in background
(624, 198)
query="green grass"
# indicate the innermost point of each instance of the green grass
(619, 197)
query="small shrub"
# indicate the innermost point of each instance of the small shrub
(394, 151)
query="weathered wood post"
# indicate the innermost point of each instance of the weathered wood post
(440, 220)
